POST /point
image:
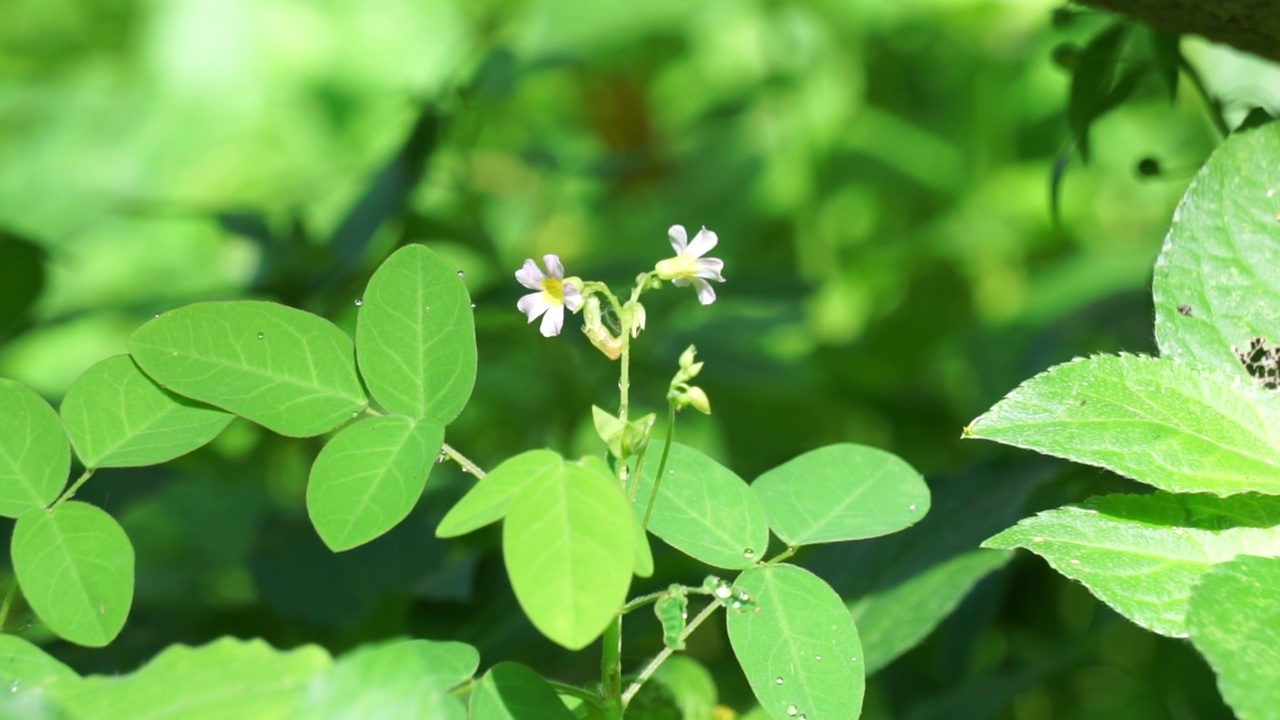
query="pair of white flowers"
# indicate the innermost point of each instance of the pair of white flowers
(553, 293)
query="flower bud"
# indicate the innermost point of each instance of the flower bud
(698, 399)
(686, 357)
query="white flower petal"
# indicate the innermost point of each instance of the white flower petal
(706, 293)
(554, 267)
(533, 305)
(553, 321)
(572, 297)
(679, 239)
(530, 276)
(709, 268)
(702, 243)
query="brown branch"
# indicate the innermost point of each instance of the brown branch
(1249, 25)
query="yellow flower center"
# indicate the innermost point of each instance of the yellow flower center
(553, 290)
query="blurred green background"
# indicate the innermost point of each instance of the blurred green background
(879, 176)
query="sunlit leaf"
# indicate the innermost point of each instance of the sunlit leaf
(75, 566)
(569, 550)
(797, 645)
(511, 691)
(28, 673)
(1144, 554)
(116, 416)
(228, 678)
(1215, 284)
(34, 455)
(841, 492)
(704, 510)
(287, 370)
(368, 477)
(1166, 423)
(489, 498)
(400, 678)
(1234, 619)
(416, 337)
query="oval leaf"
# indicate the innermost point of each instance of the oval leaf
(569, 553)
(511, 691)
(116, 416)
(1234, 620)
(34, 455)
(704, 510)
(841, 492)
(1144, 554)
(488, 500)
(796, 645)
(1214, 287)
(416, 337)
(290, 371)
(228, 678)
(1166, 423)
(397, 679)
(368, 477)
(75, 566)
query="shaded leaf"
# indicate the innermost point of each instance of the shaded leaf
(1092, 82)
(34, 455)
(288, 370)
(75, 566)
(116, 416)
(22, 279)
(511, 691)
(368, 477)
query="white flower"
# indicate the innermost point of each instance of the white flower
(688, 267)
(552, 297)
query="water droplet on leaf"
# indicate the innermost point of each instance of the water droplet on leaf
(359, 302)
(792, 710)
(461, 273)
(748, 553)
(779, 680)
(261, 335)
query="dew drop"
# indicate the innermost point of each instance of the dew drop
(723, 591)
(913, 506)
(359, 302)
(779, 680)
(464, 468)
(14, 688)
(440, 459)
(261, 335)
(855, 659)
(748, 553)
(792, 710)
(157, 314)
(461, 274)
(817, 657)
(473, 306)
(803, 717)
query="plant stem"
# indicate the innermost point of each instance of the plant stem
(8, 602)
(611, 670)
(662, 464)
(782, 556)
(661, 657)
(467, 465)
(71, 491)
(642, 601)
(574, 691)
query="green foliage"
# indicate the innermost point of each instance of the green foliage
(511, 691)
(290, 371)
(34, 455)
(406, 678)
(487, 502)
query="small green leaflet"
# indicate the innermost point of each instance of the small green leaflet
(34, 455)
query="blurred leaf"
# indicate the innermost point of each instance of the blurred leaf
(1092, 82)
(288, 370)
(704, 510)
(395, 679)
(692, 686)
(34, 455)
(368, 477)
(1168, 60)
(1234, 620)
(568, 553)
(1163, 422)
(1144, 554)
(488, 500)
(116, 416)
(796, 644)
(227, 678)
(75, 566)
(415, 336)
(22, 279)
(1214, 287)
(511, 691)
(25, 663)
(841, 492)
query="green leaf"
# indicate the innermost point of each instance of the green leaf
(290, 371)
(116, 416)
(1215, 284)
(396, 679)
(841, 492)
(416, 336)
(29, 674)
(643, 555)
(1143, 554)
(1092, 82)
(704, 510)
(34, 455)
(489, 498)
(569, 552)
(692, 686)
(75, 566)
(368, 477)
(797, 645)
(1234, 621)
(22, 279)
(228, 678)
(623, 439)
(1167, 59)
(511, 691)
(1166, 423)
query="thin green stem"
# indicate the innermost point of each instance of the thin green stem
(611, 670)
(661, 657)
(782, 556)
(71, 491)
(575, 691)
(662, 464)
(463, 462)
(642, 601)
(8, 602)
